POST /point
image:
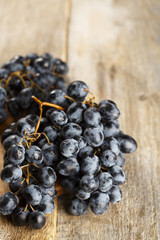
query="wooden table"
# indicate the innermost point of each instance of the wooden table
(113, 45)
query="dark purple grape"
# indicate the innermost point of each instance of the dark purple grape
(77, 90)
(8, 202)
(99, 202)
(78, 207)
(36, 219)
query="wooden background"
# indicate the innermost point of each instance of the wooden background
(113, 45)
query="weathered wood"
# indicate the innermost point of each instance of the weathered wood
(113, 45)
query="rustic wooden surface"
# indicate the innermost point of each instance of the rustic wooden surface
(113, 45)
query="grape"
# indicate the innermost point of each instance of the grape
(8, 202)
(57, 96)
(71, 130)
(51, 133)
(92, 117)
(46, 176)
(82, 143)
(115, 194)
(90, 165)
(78, 207)
(60, 66)
(77, 90)
(111, 128)
(36, 219)
(70, 184)
(120, 160)
(50, 154)
(108, 158)
(14, 107)
(68, 167)
(20, 217)
(127, 143)
(99, 202)
(6, 133)
(34, 155)
(94, 136)
(75, 112)
(89, 183)
(15, 186)
(105, 181)
(51, 191)
(32, 194)
(69, 147)
(58, 118)
(11, 173)
(108, 110)
(25, 98)
(16, 154)
(85, 152)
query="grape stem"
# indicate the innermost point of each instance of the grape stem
(41, 104)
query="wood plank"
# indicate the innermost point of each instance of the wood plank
(26, 27)
(115, 47)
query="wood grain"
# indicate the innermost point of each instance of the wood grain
(113, 45)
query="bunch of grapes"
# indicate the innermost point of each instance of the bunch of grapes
(74, 140)
(22, 77)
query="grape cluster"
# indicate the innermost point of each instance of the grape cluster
(29, 178)
(76, 141)
(22, 77)
(91, 149)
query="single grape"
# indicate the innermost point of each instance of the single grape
(34, 155)
(71, 130)
(50, 154)
(69, 147)
(94, 136)
(20, 217)
(118, 175)
(108, 158)
(99, 202)
(16, 154)
(68, 167)
(92, 117)
(115, 194)
(36, 219)
(89, 183)
(127, 143)
(11, 173)
(46, 176)
(77, 90)
(8, 202)
(105, 181)
(78, 207)
(32, 194)
(75, 112)
(108, 110)
(90, 165)
(58, 118)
